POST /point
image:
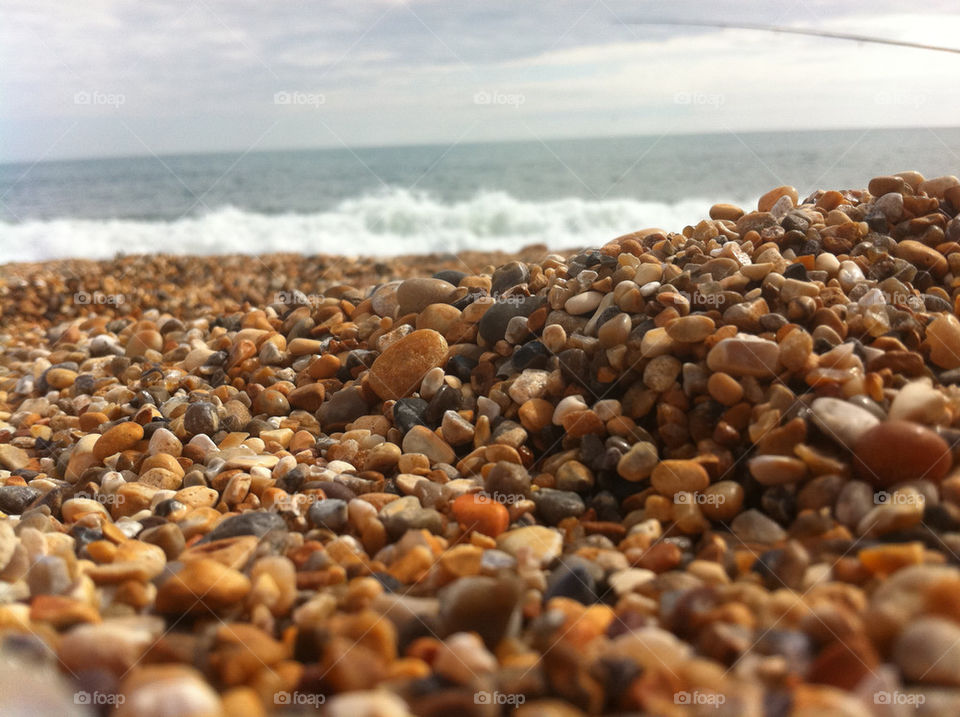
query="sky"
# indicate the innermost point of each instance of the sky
(127, 77)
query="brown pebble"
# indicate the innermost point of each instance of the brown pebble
(895, 451)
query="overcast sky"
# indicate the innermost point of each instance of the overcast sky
(121, 77)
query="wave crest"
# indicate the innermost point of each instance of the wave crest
(390, 223)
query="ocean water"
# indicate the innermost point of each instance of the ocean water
(402, 200)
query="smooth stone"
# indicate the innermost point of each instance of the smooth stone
(163, 441)
(481, 513)
(583, 303)
(13, 458)
(493, 325)
(409, 412)
(752, 526)
(202, 585)
(250, 523)
(421, 439)
(330, 514)
(508, 276)
(943, 337)
(691, 329)
(670, 477)
(308, 398)
(14, 499)
(114, 645)
(414, 295)
(398, 371)
(555, 505)
(343, 407)
(777, 470)
(574, 476)
(922, 256)
(485, 605)
(896, 451)
(573, 579)
(272, 403)
(506, 480)
(167, 690)
(928, 651)
(119, 438)
(842, 421)
(201, 419)
(540, 543)
(745, 356)
(638, 463)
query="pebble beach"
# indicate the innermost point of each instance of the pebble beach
(700, 470)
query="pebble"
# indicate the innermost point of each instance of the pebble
(583, 303)
(670, 477)
(484, 605)
(421, 439)
(13, 458)
(943, 337)
(542, 544)
(201, 419)
(481, 513)
(202, 585)
(895, 451)
(398, 371)
(330, 514)
(119, 438)
(928, 651)
(752, 526)
(691, 329)
(777, 470)
(842, 421)
(745, 356)
(415, 295)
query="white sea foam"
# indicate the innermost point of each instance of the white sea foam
(391, 223)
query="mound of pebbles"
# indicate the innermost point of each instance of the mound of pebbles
(714, 469)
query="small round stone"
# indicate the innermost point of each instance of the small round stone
(725, 388)
(201, 419)
(691, 329)
(119, 438)
(638, 463)
(583, 303)
(272, 403)
(398, 371)
(675, 476)
(475, 511)
(895, 451)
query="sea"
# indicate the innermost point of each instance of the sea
(432, 198)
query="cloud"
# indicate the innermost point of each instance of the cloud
(203, 76)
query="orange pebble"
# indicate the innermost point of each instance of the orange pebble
(481, 513)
